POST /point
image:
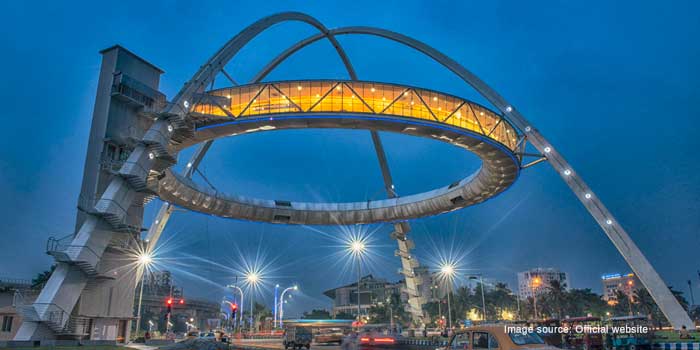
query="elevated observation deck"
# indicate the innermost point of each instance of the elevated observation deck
(349, 105)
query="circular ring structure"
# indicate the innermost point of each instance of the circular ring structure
(349, 105)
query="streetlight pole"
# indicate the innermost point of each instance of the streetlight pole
(359, 279)
(630, 284)
(144, 260)
(281, 301)
(534, 283)
(253, 279)
(274, 316)
(357, 249)
(448, 270)
(449, 307)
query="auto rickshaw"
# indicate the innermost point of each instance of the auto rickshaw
(584, 341)
(631, 341)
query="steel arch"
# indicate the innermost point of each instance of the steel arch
(206, 75)
(615, 232)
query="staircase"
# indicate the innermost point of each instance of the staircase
(63, 251)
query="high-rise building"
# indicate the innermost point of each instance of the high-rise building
(625, 283)
(536, 281)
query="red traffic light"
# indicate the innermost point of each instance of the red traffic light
(182, 301)
(234, 307)
(169, 301)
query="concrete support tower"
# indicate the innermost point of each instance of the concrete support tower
(91, 292)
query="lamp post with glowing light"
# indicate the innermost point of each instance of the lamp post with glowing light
(535, 283)
(144, 260)
(253, 278)
(447, 271)
(275, 306)
(630, 285)
(357, 249)
(282, 301)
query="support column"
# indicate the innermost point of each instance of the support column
(408, 262)
(128, 144)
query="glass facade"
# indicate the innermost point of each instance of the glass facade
(328, 96)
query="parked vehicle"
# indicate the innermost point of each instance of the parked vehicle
(550, 338)
(631, 341)
(297, 338)
(585, 341)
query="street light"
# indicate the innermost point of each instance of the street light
(253, 278)
(144, 260)
(483, 299)
(630, 285)
(357, 248)
(447, 271)
(282, 301)
(535, 283)
(274, 316)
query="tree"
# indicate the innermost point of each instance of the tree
(622, 304)
(646, 305)
(556, 296)
(317, 314)
(582, 302)
(260, 312)
(41, 278)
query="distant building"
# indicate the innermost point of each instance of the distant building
(12, 291)
(538, 280)
(157, 289)
(372, 291)
(613, 283)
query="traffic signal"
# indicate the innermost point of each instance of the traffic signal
(234, 308)
(169, 304)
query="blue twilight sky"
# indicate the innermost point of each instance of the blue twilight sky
(612, 84)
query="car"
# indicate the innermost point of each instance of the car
(377, 335)
(490, 337)
(328, 337)
(192, 335)
(207, 335)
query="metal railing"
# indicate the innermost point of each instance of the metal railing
(52, 314)
(63, 245)
(151, 99)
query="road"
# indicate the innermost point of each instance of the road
(276, 344)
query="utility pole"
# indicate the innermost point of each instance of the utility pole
(692, 297)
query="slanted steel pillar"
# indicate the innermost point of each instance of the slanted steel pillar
(408, 262)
